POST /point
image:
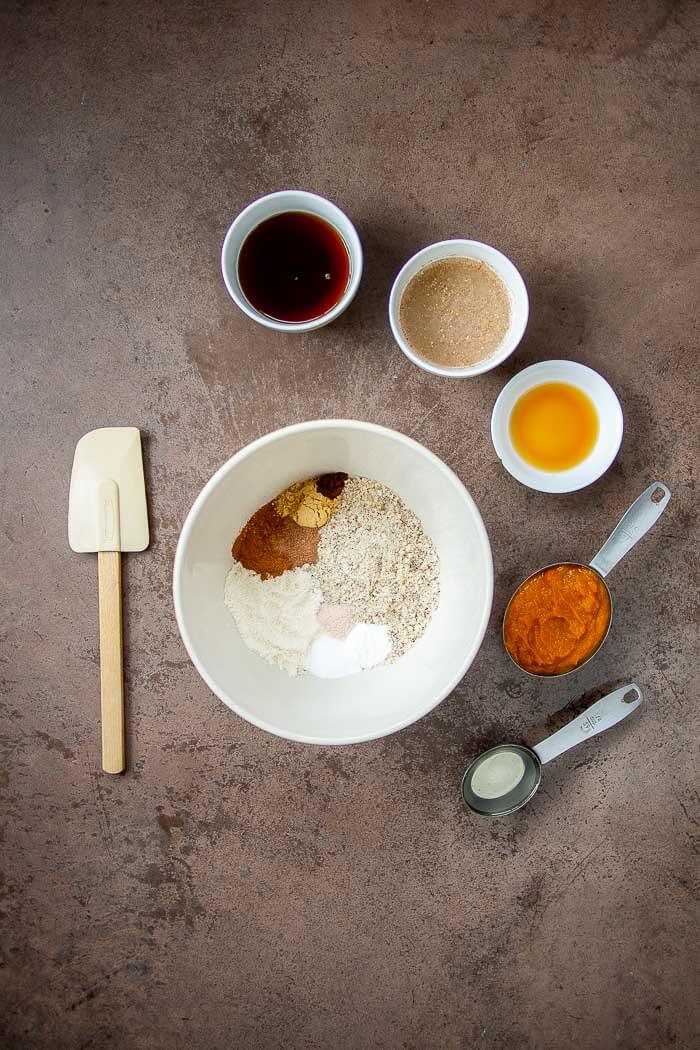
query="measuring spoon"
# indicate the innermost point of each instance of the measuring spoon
(635, 523)
(504, 778)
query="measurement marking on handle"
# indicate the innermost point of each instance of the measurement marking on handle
(590, 723)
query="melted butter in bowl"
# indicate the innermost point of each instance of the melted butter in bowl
(557, 426)
(554, 426)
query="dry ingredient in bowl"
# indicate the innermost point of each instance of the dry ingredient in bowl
(333, 576)
(376, 557)
(455, 312)
(337, 620)
(367, 645)
(312, 503)
(277, 617)
(283, 534)
(270, 544)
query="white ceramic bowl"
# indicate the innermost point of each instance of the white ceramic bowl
(517, 294)
(273, 204)
(373, 703)
(609, 418)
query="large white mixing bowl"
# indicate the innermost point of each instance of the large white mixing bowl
(373, 703)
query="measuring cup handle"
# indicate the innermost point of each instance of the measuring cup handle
(645, 510)
(595, 719)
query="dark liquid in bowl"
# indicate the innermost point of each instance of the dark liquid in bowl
(294, 267)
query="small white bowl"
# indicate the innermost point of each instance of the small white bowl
(609, 433)
(373, 703)
(274, 204)
(515, 286)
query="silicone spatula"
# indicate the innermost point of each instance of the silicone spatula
(107, 514)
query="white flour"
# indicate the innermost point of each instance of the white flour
(276, 618)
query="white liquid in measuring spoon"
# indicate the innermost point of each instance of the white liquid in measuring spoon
(498, 774)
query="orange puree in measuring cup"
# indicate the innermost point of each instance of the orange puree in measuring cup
(557, 619)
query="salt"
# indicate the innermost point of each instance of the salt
(336, 620)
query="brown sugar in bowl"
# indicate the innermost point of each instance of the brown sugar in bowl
(477, 253)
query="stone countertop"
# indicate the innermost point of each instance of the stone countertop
(233, 889)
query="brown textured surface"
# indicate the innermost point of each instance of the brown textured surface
(233, 889)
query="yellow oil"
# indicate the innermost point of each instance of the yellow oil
(554, 426)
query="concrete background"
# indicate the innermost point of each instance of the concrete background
(234, 890)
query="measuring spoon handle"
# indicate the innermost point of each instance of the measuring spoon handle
(634, 523)
(602, 715)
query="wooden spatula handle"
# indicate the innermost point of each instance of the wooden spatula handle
(111, 675)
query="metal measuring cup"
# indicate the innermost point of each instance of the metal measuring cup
(633, 524)
(595, 719)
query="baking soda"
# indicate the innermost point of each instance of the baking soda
(367, 645)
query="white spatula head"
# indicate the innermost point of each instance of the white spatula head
(107, 501)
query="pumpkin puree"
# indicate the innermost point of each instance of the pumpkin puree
(557, 619)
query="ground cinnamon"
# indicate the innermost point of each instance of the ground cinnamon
(270, 544)
(300, 543)
(284, 534)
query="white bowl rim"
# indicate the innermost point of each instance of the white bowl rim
(575, 478)
(466, 370)
(354, 251)
(248, 450)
